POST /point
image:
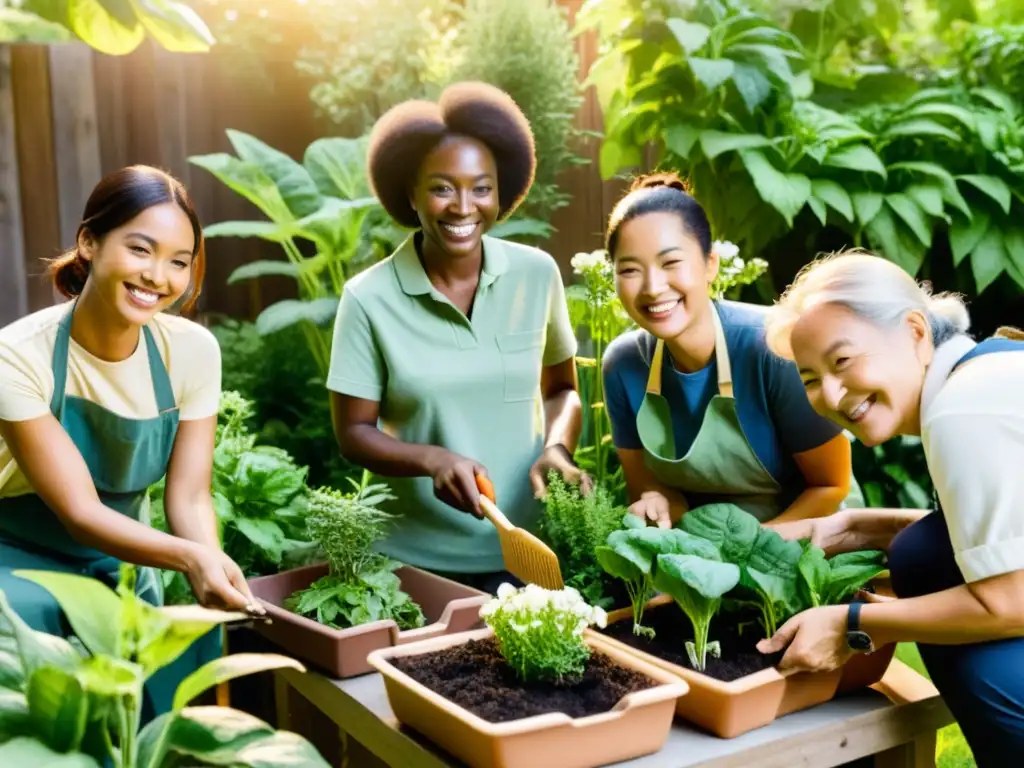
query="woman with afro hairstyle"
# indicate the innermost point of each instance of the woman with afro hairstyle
(454, 357)
(701, 411)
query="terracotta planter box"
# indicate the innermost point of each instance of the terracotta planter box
(638, 725)
(448, 606)
(728, 709)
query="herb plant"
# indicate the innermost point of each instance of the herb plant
(540, 631)
(361, 585)
(575, 526)
(79, 703)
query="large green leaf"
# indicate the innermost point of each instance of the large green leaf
(857, 157)
(752, 85)
(92, 608)
(894, 241)
(867, 205)
(294, 182)
(691, 35)
(336, 225)
(338, 167)
(228, 668)
(988, 259)
(25, 751)
(174, 25)
(817, 206)
(247, 180)
(107, 676)
(731, 529)
(786, 192)
(949, 191)
(912, 216)
(38, 649)
(265, 534)
(113, 33)
(998, 99)
(772, 59)
(832, 193)
(165, 633)
(281, 750)
(714, 143)
(710, 579)
(921, 127)
(928, 197)
(58, 707)
(213, 734)
(680, 138)
(290, 311)
(256, 269)
(17, 26)
(992, 186)
(266, 230)
(964, 236)
(15, 719)
(1013, 240)
(942, 109)
(711, 73)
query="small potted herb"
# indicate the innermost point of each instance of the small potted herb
(334, 613)
(732, 582)
(535, 682)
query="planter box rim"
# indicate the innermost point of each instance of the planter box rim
(667, 686)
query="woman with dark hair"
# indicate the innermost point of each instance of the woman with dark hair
(701, 410)
(102, 396)
(453, 357)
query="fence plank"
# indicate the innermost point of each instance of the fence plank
(76, 140)
(33, 118)
(13, 286)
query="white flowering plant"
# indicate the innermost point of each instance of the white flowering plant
(733, 272)
(540, 631)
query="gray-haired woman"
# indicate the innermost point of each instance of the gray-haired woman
(882, 357)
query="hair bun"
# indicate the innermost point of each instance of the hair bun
(662, 179)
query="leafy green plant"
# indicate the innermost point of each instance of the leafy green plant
(789, 139)
(82, 709)
(894, 474)
(325, 201)
(540, 631)
(833, 581)
(361, 585)
(697, 584)
(114, 27)
(574, 526)
(259, 496)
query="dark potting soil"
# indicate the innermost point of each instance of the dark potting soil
(476, 677)
(738, 635)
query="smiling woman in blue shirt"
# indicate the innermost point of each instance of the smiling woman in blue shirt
(701, 410)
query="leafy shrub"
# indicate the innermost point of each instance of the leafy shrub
(361, 585)
(574, 526)
(540, 631)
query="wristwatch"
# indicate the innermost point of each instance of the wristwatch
(857, 638)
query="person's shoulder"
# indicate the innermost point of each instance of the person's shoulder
(987, 385)
(523, 258)
(40, 327)
(186, 338)
(631, 350)
(743, 326)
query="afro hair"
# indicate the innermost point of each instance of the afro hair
(407, 132)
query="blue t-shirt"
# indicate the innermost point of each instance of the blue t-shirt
(773, 409)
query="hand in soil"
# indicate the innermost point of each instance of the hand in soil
(816, 640)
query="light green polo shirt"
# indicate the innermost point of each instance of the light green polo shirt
(469, 385)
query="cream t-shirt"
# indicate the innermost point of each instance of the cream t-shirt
(189, 352)
(972, 431)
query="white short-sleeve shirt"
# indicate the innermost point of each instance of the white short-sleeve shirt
(972, 431)
(188, 350)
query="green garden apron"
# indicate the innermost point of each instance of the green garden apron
(720, 466)
(124, 456)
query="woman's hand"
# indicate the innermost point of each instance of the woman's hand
(455, 480)
(218, 582)
(816, 640)
(652, 507)
(839, 532)
(557, 458)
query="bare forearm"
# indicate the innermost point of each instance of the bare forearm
(126, 539)
(193, 519)
(951, 617)
(815, 501)
(564, 418)
(368, 447)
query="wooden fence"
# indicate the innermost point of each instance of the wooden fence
(68, 115)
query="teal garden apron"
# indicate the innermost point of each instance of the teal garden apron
(720, 465)
(125, 457)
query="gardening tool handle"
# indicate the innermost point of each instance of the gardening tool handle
(495, 515)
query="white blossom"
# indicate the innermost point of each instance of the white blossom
(582, 262)
(725, 250)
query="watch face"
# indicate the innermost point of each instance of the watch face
(859, 641)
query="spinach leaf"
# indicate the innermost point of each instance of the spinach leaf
(728, 527)
(852, 570)
(697, 585)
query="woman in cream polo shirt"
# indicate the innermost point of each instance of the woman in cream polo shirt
(102, 396)
(454, 356)
(881, 357)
